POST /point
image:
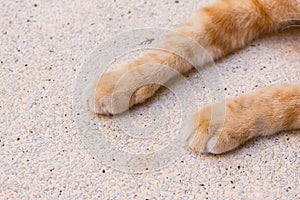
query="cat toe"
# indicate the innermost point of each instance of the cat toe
(95, 104)
(197, 134)
(205, 131)
(201, 142)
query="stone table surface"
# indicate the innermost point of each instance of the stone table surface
(43, 45)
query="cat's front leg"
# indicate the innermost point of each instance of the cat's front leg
(225, 126)
(116, 91)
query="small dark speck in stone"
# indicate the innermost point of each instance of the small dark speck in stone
(35, 5)
(103, 171)
(176, 1)
(18, 138)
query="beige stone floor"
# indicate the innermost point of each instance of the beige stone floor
(43, 45)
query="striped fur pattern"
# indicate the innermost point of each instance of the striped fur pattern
(221, 29)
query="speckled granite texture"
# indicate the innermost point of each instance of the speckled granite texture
(42, 47)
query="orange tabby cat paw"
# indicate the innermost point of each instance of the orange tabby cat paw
(99, 94)
(224, 126)
(213, 134)
(117, 91)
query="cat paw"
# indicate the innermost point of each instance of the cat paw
(99, 94)
(117, 91)
(214, 132)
